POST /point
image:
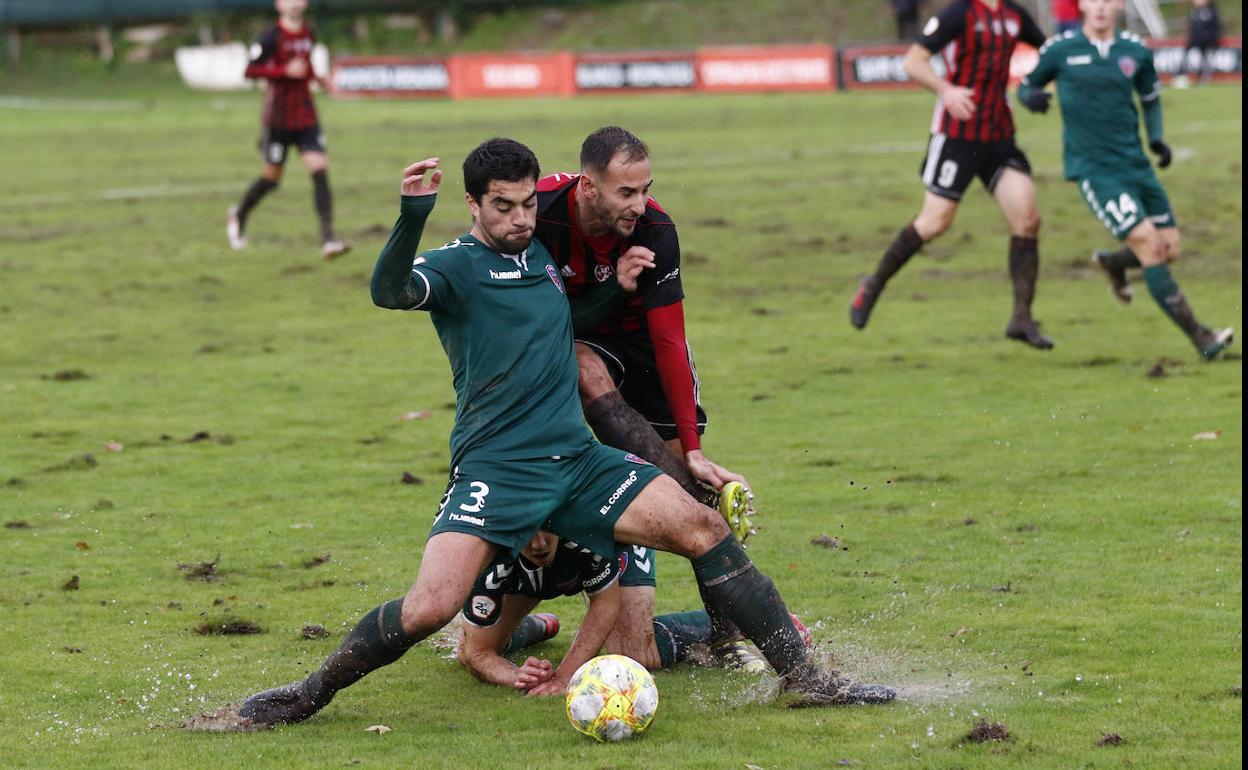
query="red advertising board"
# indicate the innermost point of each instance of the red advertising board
(388, 77)
(769, 68)
(508, 74)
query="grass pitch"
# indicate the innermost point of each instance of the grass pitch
(1034, 539)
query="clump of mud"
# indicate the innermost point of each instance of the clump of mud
(1111, 739)
(224, 720)
(227, 628)
(983, 731)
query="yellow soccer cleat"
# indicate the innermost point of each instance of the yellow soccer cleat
(736, 504)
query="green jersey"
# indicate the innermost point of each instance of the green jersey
(504, 323)
(1096, 84)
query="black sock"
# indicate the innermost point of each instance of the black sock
(377, 640)
(259, 188)
(529, 631)
(898, 253)
(730, 584)
(677, 632)
(1024, 270)
(618, 425)
(324, 203)
(1122, 259)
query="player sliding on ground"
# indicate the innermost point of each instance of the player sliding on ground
(522, 457)
(972, 136)
(1099, 71)
(495, 623)
(282, 56)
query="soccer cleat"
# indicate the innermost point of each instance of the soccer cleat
(281, 705)
(1028, 332)
(864, 299)
(811, 686)
(736, 504)
(334, 249)
(234, 230)
(552, 625)
(1211, 343)
(740, 656)
(1119, 286)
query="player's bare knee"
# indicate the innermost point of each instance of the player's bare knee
(1029, 224)
(426, 614)
(701, 530)
(931, 225)
(272, 172)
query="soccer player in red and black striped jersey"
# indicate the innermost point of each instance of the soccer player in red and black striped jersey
(972, 135)
(283, 56)
(638, 383)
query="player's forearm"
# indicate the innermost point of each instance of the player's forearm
(264, 71)
(671, 354)
(918, 65)
(1152, 119)
(590, 308)
(489, 667)
(599, 620)
(392, 285)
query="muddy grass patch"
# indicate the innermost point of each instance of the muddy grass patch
(224, 720)
(228, 627)
(984, 731)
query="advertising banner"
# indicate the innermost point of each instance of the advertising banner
(389, 77)
(642, 71)
(519, 74)
(769, 68)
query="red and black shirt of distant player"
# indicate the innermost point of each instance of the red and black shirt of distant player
(976, 43)
(288, 104)
(655, 307)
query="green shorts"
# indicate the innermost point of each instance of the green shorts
(640, 568)
(1122, 201)
(578, 498)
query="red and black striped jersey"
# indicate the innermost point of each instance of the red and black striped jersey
(976, 43)
(288, 102)
(584, 260)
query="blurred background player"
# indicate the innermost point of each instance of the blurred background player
(638, 383)
(1204, 35)
(1099, 72)
(1066, 16)
(282, 56)
(972, 134)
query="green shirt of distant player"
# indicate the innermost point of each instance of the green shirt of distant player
(504, 323)
(1096, 84)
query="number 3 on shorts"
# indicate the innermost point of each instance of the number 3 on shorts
(478, 493)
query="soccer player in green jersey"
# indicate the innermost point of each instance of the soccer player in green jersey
(1099, 71)
(522, 457)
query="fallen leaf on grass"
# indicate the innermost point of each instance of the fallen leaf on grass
(81, 545)
(1183, 533)
(827, 541)
(71, 584)
(1207, 435)
(379, 729)
(955, 634)
(114, 446)
(423, 414)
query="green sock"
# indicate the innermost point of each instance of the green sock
(377, 640)
(529, 631)
(1170, 298)
(677, 632)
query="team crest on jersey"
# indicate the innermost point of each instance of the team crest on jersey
(603, 272)
(623, 561)
(632, 458)
(1127, 65)
(554, 276)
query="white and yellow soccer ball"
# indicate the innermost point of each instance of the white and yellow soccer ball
(611, 698)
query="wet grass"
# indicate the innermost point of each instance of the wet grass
(209, 439)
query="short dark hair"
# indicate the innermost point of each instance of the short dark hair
(604, 144)
(497, 159)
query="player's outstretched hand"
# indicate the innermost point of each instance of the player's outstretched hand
(708, 472)
(959, 101)
(630, 264)
(533, 672)
(416, 180)
(1036, 100)
(553, 686)
(1162, 151)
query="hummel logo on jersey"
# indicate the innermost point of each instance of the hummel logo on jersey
(476, 521)
(1082, 59)
(506, 275)
(668, 277)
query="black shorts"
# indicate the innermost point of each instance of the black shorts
(274, 141)
(951, 164)
(630, 359)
